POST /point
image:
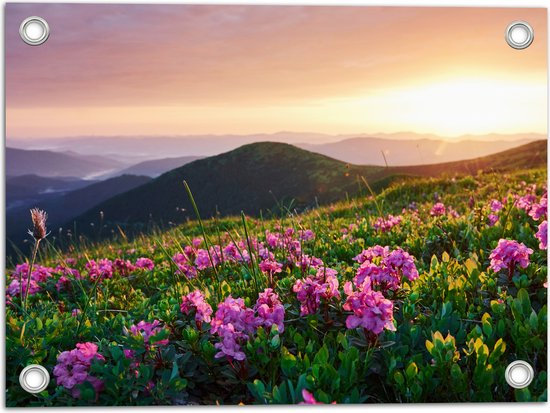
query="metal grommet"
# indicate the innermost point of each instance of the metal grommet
(519, 374)
(519, 35)
(34, 378)
(34, 30)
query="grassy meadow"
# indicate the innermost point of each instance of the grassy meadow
(423, 292)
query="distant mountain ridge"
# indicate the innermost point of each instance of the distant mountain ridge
(156, 167)
(393, 152)
(55, 164)
(258, 176)
(134, 149)
(25, 188)
(64, 207)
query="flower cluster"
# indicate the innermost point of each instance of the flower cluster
(192, 259)
(101, 269)
(438, 210)
(539, 210)
(370, 309)
(270, 310)
(381, 267)
(495, 205)
(145, 264)
(195, 301)
(387, 223)
(233, 323)
(314, 288)
(508, 254)
(123, 267)
(73, 368)
(270, 267)
(20, 276)
(542, 235)
(147, 330)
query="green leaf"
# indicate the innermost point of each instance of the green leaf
(175, 371)
(524, 301)
(523, 395)
(456, 372)
(275, 341)
(411, 371)
(500, 348)
(399, 379)
(322, 356)
(288, 363)
(430, 347)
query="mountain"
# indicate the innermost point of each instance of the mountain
(133, 149)
(157, 167)
(258, 177)
(54, 164)
(25, 189)
(66, 206)
(398, 152)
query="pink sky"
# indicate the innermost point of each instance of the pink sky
(150, 69)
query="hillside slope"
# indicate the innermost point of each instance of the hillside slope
(394, 152)
(156, 167)
(257, 177)
(55, 164)
(25, 188)
(68, 205)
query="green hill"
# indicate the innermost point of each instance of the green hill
(260, 176)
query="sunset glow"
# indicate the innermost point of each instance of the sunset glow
(249, 69)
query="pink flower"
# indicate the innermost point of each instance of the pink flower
(381, 267)
(402, 263)
(306, 262)
(370, 310)
(311, 290)
(541, 209)
(14, 288)
(507, 254)
(69, 371)
(89, 352)
(273, 240)
(270, 310)
(73, 367)
(203, 260)
(386, 224)
(270, 267)
(438, 209)
(123, 267)
(308, 398)
(231, 252)
(102, 269)
(233, 311)
(495, 205)
(525, 202)
(195, 301)
(306, 235)
(146, 330)
(230, 345)
(371, 253)
(493, 219)
(145, 263)
(542, 235)
(233, 323)
(182, 261)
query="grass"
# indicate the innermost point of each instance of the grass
(457, 326)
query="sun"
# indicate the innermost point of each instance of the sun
(451, 107)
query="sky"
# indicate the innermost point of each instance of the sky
(187, 69)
